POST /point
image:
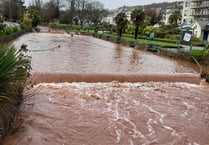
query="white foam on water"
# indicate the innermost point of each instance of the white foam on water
(189, 106)
(118, 133)
(144, 86)
(194, 143)
(131, 142)
(150, 128)
(113, 99)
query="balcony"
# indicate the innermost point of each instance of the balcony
(199, 4)
(200, 7)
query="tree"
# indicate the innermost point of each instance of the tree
(173, 18)
(81, 12)
(122, 22)
(36, 4)
(137, 18)
(94, 12)
(154, 15)
(51, 10)
(72, 10)
(34, 15)
(12, 9)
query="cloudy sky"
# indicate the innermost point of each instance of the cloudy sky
(113, 4)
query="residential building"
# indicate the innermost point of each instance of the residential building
(187, 18)
(200, 9)
(178, 6)
(201, 29)
(200, 12)
(110, 18)
(196, 14)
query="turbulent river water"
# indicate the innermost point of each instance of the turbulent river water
(68, 108)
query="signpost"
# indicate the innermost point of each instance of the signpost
(186, 35)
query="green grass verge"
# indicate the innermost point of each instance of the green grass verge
(145, 41)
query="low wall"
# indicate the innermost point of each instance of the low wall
(102, 77)
(13, 36)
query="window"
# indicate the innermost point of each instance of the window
(187, 4)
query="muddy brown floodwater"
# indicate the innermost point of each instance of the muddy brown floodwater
(84, 54)
(106, 94)
(151, 113)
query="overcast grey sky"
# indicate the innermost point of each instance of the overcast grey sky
(112, 4)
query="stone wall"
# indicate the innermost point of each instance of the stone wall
(13, 36)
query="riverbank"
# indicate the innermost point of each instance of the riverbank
(14, 69)
(13, 36)
(180, 53)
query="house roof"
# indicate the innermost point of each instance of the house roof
(203, 24)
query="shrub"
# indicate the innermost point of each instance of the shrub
(198, 54)
(9, 30)
(130, 29)
(167, 30)
(148, 30)
(34, 15)
(16, 29)
(27, 22)
(54, 25)
(173, 37)
(160, 34)
(206, 51)
(2, 27)
(14, 67)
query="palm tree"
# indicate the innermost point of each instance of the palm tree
(122, 22)
(173, 18)
(137, 18)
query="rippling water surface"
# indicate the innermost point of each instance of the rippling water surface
(90, 55)
(116, 114)
(142, 113)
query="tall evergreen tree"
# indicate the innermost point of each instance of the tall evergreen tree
(137, 18)
(122, 22)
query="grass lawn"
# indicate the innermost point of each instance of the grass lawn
(145, 41)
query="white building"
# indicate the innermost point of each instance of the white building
(169, 11)
(166, 16)
(196, 13)
(110, 18)
(187, 17)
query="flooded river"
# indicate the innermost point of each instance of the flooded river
(151, 113)
(161, 107)
(83, 54)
